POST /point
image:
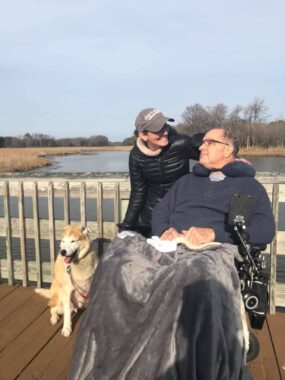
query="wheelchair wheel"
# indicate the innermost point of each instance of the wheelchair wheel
(254, 347)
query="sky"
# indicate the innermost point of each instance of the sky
(80, 68)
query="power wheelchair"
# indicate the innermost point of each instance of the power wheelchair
(253, 280)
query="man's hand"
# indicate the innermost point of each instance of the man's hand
(169, 234)
(199, 235)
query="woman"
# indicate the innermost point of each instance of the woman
(159, 157)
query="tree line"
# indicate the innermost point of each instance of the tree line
(42, 140)
(247, 123)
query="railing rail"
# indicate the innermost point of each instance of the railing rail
(33, 211)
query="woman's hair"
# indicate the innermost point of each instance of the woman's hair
(136, 133)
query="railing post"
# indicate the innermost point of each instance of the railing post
(37, 234)
(66, 207)
(7, 219)
(22, 233)
(100, 217)
(116, 206)
(124, 207)
(273, 250)
(51, 225)
(83, 203)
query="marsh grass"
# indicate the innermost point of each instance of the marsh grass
(22, 159)
(258, 151)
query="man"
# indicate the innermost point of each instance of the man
(197, 206)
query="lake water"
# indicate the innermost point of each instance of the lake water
(268, 164)
(118, 162)
(79, 163)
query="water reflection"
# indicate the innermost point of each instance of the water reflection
(78, 163)
(268, 164)
(118, 162)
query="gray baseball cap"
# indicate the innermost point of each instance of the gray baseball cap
(151, 119)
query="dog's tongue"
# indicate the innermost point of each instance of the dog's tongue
(67, 259)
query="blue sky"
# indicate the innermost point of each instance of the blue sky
(80, 68)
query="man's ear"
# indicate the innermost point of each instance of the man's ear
(229, 151)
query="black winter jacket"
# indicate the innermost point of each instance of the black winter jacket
(152, 176)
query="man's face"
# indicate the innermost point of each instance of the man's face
(215, 150)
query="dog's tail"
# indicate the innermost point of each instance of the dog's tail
(43, 292)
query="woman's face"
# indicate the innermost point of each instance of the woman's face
(155, 140)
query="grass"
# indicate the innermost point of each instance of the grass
(257, 151)
(22, 159)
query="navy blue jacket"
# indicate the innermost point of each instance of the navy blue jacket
(197, 201)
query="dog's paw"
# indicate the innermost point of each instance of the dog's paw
(54, 319)
(66, 331)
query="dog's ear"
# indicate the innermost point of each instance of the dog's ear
(85, 230)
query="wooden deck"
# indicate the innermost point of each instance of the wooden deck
(30, 348)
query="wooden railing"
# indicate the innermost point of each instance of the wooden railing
(36, 210)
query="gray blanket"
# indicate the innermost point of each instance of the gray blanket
(154, 315)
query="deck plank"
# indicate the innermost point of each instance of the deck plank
(21, 317)
(276, 325)
(6, 289)
(265, 366)
(54, 360)
(14, 301)
(26, 346)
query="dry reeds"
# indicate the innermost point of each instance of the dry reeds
(258, 151)
(22, 159)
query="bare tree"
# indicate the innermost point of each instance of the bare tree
(218, 115)
(195, 119)
(256, 112)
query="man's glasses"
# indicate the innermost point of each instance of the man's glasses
(208, 142)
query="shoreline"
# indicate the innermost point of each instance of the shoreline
(20, 160)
